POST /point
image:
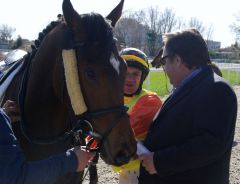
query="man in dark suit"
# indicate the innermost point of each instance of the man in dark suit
(190, 141)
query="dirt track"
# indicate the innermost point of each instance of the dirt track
(235, 160)
(107, 176)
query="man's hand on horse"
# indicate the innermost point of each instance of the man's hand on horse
(11, 108)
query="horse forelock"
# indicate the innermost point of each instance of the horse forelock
(97, 27)
(98, 34)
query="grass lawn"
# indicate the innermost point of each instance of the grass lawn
(232, 77)
(160, 84)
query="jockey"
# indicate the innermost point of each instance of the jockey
(143, 105)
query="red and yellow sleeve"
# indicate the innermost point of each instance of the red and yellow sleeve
(142, 114)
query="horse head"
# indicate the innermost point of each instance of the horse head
(100, 72)
(74, 79)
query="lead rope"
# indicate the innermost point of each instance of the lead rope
(85, 174)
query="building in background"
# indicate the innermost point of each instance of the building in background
(213, 45)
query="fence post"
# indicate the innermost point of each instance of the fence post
(148, 82)
(237, 74)
(228, 75)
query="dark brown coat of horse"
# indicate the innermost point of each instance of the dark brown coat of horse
(47, 115)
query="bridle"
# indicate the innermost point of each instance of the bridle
(82, 126)
(84, 120)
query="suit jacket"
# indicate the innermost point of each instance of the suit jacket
(193, 134)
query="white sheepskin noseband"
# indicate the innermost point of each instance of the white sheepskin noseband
(72, 81)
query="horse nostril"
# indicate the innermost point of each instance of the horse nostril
(121, 158)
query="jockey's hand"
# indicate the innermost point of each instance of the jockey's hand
(11, 108)
(147, 162)
(83, 158)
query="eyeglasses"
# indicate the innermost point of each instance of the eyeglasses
(163, 60)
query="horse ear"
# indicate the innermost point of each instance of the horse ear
(116, 13)
(157, 60)
(70, 15)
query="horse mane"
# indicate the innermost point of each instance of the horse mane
(42, 34)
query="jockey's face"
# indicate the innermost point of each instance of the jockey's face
(132, 80)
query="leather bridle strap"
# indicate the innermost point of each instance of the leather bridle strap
(97, 136)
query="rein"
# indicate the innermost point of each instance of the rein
(93, 115)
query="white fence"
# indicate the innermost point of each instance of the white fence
(229, 67)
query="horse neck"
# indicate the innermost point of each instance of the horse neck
(42, 106)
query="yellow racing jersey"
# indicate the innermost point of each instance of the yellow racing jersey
(142, 110)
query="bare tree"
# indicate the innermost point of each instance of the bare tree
(167, 21)
(138, 29)
(6, 32)
(130, 32)
(152, 16)
(144, 29)
(121, 31)
(139, 16)
(209, 32)
(159, 23)
(180, 23)
(235, 27)
(197, 24)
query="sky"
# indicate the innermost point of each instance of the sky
(29, 17)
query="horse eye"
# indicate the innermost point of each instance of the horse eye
(90, 74)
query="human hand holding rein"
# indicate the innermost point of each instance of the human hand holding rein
(83, 158)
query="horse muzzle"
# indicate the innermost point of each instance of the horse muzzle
(124, 153)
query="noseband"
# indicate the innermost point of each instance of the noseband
(83, 127)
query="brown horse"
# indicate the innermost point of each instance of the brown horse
(50, 119)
